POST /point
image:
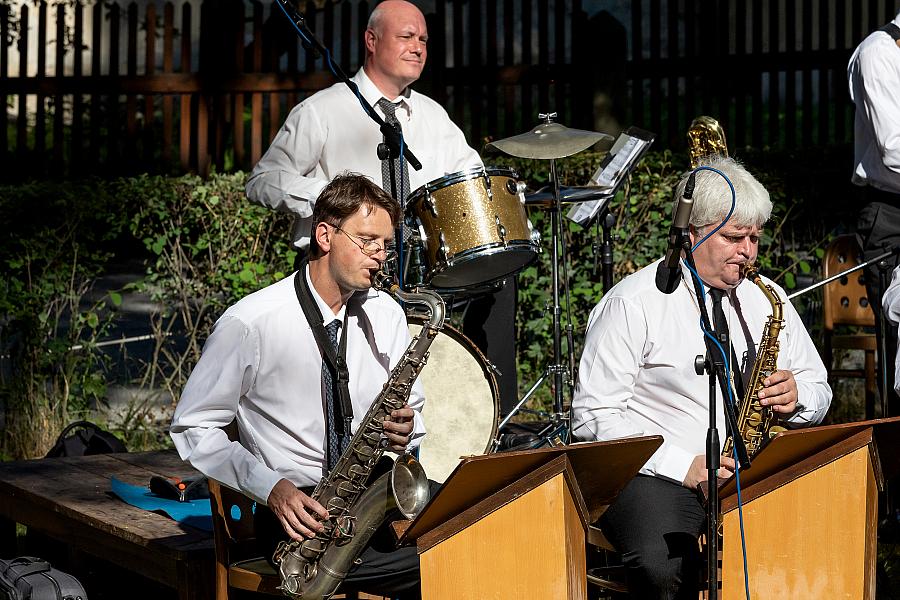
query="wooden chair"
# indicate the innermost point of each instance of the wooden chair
(238, 564)
(845, 303)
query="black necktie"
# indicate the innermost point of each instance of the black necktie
(401, 176)
(720, 324)
(335, 441)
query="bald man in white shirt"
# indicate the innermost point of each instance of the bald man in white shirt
(329, 133)
(636, 377)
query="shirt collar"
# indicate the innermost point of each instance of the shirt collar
(372, 94)
(327, 314)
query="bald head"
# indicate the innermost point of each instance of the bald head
(395, 40)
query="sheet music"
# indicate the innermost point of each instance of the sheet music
(622, 158)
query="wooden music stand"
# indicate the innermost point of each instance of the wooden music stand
(512, 525)
(810, 504)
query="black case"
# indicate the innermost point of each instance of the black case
(29, 578)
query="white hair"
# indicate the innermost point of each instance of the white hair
(712, 196)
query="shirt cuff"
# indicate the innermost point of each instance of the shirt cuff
(260, 483)
(670, 462)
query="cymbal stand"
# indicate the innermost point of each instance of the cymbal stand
(560, 372)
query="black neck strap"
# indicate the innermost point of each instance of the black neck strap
(336, 361)
(892, 30)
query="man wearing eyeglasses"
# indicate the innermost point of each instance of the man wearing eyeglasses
(262, 366)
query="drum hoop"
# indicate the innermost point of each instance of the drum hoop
(458, 336)
(488, 250)
(458, 177)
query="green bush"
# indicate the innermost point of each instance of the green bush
(207, 246)
(59, 240)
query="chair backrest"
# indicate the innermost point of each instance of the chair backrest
(845, 301)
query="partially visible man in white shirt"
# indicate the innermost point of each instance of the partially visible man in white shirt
(263, 368)
(636, 377)
(329, 133)
(874, 80)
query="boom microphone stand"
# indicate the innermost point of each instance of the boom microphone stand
(714, 365)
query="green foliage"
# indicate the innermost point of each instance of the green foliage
(210, 247)
(60, 238)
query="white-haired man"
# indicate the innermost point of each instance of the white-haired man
(637, 377)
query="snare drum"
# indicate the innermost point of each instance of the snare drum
(461, 402)
(474, 227)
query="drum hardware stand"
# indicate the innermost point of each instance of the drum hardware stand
(550, 141)
(604, 251)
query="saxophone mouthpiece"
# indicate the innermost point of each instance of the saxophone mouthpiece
(382, 280)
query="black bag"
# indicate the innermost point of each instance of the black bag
(83, 438)
(28, 578)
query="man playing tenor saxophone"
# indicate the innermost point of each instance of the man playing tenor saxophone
(637, 377)
(264, 367)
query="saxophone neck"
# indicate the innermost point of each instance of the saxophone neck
(752, 274)
(436, 309)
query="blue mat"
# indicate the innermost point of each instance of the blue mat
(195, 513)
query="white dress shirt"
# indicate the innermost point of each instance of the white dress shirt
(261, 365)
(329, 133)
(636, 376)
(874, 77)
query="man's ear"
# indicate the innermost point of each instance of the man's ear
(323, 237)
(370, 38)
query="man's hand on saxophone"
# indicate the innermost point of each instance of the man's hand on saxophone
(779, 392)
(398, 427)
(299, 514)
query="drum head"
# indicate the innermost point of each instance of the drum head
(461, 402)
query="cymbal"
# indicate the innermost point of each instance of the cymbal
(567, 195)
(549, 141)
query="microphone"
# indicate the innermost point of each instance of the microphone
(669, 270)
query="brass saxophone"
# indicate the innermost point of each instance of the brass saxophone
(754, 421)
(314, 568)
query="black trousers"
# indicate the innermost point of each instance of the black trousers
(655, 525)
(383, 568)
(878, 230)
(490, 322)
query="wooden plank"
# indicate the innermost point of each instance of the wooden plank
(93, 152)
(675, 123)
(4, 73)
(40, 116)
(655, 42)
(184, 117)
(773, 123)
(637, 50)
(113, 123)
(256, 99)
(130, 157)
(149, 69)
(474, 105)
(167, 67)
(58, 145)
(756, 128)
(492, 89)
(529, 112)
(790, 88)
(76, 153)
(22, 120)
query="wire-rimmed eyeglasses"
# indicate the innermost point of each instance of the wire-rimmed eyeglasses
(368, 247)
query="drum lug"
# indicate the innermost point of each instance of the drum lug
(487, 187)
(501, 231)
(443, 248)
(429, 204)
